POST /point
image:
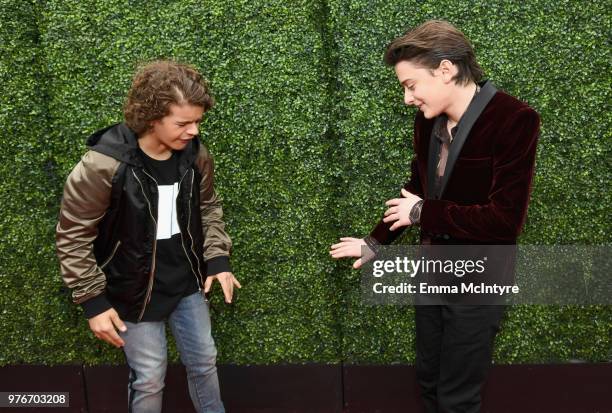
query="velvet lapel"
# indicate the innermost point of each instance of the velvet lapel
(468, 119)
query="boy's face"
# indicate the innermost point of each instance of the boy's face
(429, 90)
(176, 129)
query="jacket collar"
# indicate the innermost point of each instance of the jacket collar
(475, 108)
(120, 142)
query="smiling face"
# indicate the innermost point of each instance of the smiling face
(175, 130)
(427, 89)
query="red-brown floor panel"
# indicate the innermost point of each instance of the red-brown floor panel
(314, 388)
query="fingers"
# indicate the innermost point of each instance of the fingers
(357, 264)
(347, 251)
(208, 283)
(391, 210)
(348, 247)
(340, 250)
(340, 245)
(118, 322)
(103, 326)
(227, 281)
(343, 244)
(111, 336)
(393, 202)
(347, 241)
(390, 218)
(397, 224)
(228, 288)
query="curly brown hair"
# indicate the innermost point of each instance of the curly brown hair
(157, 85)
(432, 42)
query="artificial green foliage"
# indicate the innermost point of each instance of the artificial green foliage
(34, 318)
(310, 137)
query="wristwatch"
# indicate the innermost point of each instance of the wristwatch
(415, 212)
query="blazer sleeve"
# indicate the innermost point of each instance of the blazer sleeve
(381, 232)
(217, 243)
(502, 217)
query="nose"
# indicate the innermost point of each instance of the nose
(193, 129)
(408, 98)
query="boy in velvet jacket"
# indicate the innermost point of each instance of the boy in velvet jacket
(470, 182)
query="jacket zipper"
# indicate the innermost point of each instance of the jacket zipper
(189, 232)
(105, 263)
(182, 242)
(152, 274)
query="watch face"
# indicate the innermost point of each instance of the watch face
(415, 212)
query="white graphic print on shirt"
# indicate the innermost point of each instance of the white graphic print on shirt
(167, 224)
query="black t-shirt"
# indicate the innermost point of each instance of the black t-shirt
(174, 278)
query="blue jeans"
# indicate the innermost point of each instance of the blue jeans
(146, 353)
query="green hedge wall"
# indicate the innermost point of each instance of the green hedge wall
(310, 137)
(33, 315)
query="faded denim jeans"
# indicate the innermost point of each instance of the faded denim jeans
(146, 352)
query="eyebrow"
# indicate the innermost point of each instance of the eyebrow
(189, 121)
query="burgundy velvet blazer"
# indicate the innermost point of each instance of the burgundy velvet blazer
(486, 191)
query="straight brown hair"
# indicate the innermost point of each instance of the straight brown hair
(430, 43)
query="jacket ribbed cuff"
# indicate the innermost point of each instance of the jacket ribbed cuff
(96, 305)
(217, 265)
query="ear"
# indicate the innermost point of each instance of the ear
(448, 70)
(154, 123)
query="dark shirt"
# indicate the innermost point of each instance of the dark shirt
(173, 276)
(440, 131)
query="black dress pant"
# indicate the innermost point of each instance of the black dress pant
(454, 346)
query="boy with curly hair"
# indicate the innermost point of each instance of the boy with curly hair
(140, 236)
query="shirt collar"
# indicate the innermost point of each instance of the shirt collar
(440, 129)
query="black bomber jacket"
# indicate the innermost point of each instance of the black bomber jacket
(106, 234)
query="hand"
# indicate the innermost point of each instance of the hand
(350, 247)
(399, 210)
(103, 326)
(227, 281)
